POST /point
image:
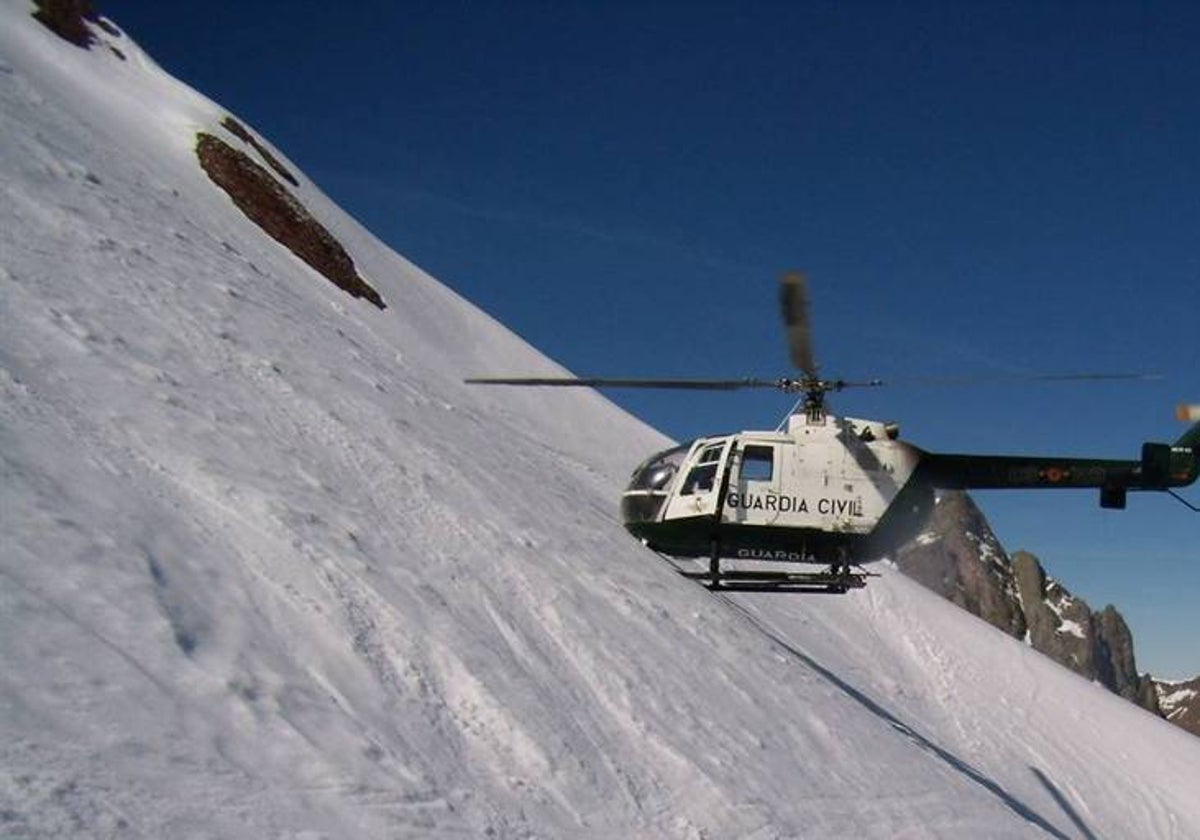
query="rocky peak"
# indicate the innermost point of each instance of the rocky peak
(1179, 702)
(959, 557)
(1115, 661)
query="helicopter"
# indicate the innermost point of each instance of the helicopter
(828, 490)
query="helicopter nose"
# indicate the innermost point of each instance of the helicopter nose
(640, 506)
(650, 485)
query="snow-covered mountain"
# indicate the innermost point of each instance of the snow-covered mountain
(268, 568)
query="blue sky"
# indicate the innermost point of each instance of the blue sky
(973, 189)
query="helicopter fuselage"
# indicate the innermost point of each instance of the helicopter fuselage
(835, 488)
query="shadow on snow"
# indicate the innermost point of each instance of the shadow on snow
(1016, 805)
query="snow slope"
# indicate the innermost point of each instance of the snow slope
(268, 569)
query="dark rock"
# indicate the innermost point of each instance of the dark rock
(67, 19)
(108, 26)
(238, 130)
(1059, 625)
(1116, 667)
(265, 202)
(960, 558)
(1179, 702)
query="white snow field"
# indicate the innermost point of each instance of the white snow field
(268, 569)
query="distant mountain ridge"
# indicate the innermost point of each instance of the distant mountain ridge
(959, 557)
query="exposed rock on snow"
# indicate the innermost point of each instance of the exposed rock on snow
(68, 19)
(238, 130)
(270, 206)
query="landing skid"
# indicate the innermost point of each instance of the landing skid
(737, 580)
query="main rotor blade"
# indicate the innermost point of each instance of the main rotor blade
(594, 382)
(1017, 378)
(793, 299)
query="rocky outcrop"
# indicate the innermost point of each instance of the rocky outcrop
(262, 198)
(77, 22)
(1179, 703)
(1098, 645)
(1057, 624)
(1115, 662)
(68, 19)
(960, 558)
(270, 206)
(239, 131)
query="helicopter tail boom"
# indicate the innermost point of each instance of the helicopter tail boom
(1003, 472)
(1161, 467)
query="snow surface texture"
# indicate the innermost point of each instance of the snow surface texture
(268, 569)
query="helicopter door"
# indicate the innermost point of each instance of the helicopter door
(699, 492)
(756, 485)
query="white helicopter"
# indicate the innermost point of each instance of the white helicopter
(833, 491)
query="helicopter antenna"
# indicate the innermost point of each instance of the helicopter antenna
(1183, 501)
(783, 420)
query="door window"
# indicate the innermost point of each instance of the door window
(701, 477)
(758, 463)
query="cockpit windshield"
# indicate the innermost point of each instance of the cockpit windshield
(656, 472)
(648, 488)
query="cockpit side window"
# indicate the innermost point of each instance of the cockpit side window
(701, 477)
(699, 480)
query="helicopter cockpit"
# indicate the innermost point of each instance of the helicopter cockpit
(650, 485)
